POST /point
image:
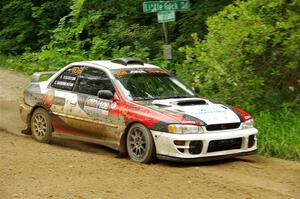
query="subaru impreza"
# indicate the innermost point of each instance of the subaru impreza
(137, 109)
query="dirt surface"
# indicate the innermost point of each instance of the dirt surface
(76, 170)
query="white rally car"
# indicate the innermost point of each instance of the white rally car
(135, 108)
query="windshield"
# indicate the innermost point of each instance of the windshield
(151, 84)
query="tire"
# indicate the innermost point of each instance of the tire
(41, 126)
(140, 144)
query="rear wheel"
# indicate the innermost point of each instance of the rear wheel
(41, 126)
(140, 144)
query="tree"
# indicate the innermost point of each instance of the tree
(250, 54)
(26, 25)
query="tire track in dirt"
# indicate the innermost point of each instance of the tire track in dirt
(76, 170)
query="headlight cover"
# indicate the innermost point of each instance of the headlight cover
(184, 129)
(248, 124)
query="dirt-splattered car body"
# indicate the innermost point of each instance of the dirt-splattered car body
(183, 127)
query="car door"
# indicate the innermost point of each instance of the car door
(62, 100)
(92, 112)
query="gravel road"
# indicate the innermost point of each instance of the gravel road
(76, 170)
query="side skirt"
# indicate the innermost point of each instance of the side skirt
(111, 145)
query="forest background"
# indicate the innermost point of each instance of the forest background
(244, 53)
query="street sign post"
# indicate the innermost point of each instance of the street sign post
(165, 16)
(167, 51)
(158, 6)
(166, 13)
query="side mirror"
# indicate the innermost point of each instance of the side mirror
(105, 94)
(196, 90)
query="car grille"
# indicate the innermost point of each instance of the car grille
(222, 145)
(217, 127)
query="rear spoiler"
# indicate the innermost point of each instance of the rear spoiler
(36, 76)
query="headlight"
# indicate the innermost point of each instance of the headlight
(248, 124)
(184, 129)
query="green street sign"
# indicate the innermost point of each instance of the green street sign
(165, 16)
(159, 6)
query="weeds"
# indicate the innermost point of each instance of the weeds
(279, 133)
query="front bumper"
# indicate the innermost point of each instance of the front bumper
(204, 159)
(211, 145)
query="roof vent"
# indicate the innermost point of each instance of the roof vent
(128, 60)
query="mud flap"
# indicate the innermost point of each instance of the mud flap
(121, 155)
(26, 131)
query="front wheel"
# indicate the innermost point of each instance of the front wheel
(140, 144)
(41, 126)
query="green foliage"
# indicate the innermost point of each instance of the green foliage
(279, 133)
(251, 54)
(191, 22)
(28, 24)
(11, 37)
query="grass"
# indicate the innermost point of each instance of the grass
(9, 62)
(279, 134)
(3, 60)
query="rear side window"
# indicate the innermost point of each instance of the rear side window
(91, 80)
(67, 79)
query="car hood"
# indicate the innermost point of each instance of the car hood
(202, 109)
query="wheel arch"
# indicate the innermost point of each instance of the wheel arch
(38, 105)
(123, 148)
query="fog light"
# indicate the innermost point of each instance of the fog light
(195, 147)
(251, 141)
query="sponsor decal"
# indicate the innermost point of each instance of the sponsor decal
(36, 96)
(103, 105)
(59, 101)
(66, 77)
(121, 73)
(77, 70)
(156, 71)
(113, 105)
(61, 83)
(137, 71)
(92, 103)
(204, 111)
(48, 98)
(96, 106)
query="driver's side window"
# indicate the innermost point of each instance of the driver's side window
(91, 80)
